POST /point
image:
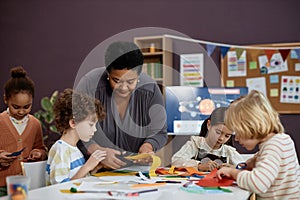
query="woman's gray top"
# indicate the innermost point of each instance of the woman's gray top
(144, 120)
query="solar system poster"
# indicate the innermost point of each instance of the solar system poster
(187, 107)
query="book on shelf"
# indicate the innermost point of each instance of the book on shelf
(153, 69)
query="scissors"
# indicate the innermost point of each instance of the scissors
(241, 165)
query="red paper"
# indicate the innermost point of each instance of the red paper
(211, 180)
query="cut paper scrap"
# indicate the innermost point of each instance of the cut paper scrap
(193, 189)
(180, 171)
(114, 173)
(190, 171)
(140, 185)
(155, 162)
(211, 180)
(171, 170)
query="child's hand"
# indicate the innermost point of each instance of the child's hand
(35, 155)
(5, 160)
(226, 165)
(95, 158)
(209, 166)
(251, 162)
(224, 171)
(95, 170)
(228, 172)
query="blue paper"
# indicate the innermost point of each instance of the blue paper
(274, 79)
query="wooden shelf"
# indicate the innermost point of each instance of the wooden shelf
(157, 51)
(158, 63)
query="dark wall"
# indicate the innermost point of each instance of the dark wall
(51, 39)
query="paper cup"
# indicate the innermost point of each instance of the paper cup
(17, 187)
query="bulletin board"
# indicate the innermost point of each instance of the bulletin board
(281, 87)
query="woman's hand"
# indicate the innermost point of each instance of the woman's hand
(111, 161)
(146, 148)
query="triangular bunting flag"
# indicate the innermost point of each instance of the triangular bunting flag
(210, 48)
(269, 53)
(298, 53)
(293, 54)
(239, 52)
(284, 53)
(224, 51)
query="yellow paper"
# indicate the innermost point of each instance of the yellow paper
(230, 83)
(114, 173)
(155, 162)
(147, 185)
(274, 92)
(66, 191)
(171, 170)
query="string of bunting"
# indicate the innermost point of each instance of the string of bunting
(224, 48)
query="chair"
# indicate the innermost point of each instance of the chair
(36, 171)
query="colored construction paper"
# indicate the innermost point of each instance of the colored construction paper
(155, 162)
(274, 92)
(230, 83)
(274, 79)
(211, 180)
(253, 65)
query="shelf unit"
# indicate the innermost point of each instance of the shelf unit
(158, 63)
(157, 51)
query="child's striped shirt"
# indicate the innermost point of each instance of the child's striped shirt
(63, 163)
(276, 174)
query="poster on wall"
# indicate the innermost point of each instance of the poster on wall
(236, 66)
(257, 83)
(191, 70)
(275, 65)
(187, 106)
(289, 92)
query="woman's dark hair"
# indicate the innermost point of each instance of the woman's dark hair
(19, 82)
(216, 117)
(74, 105)
(123, 55)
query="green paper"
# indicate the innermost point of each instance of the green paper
(253, 65)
